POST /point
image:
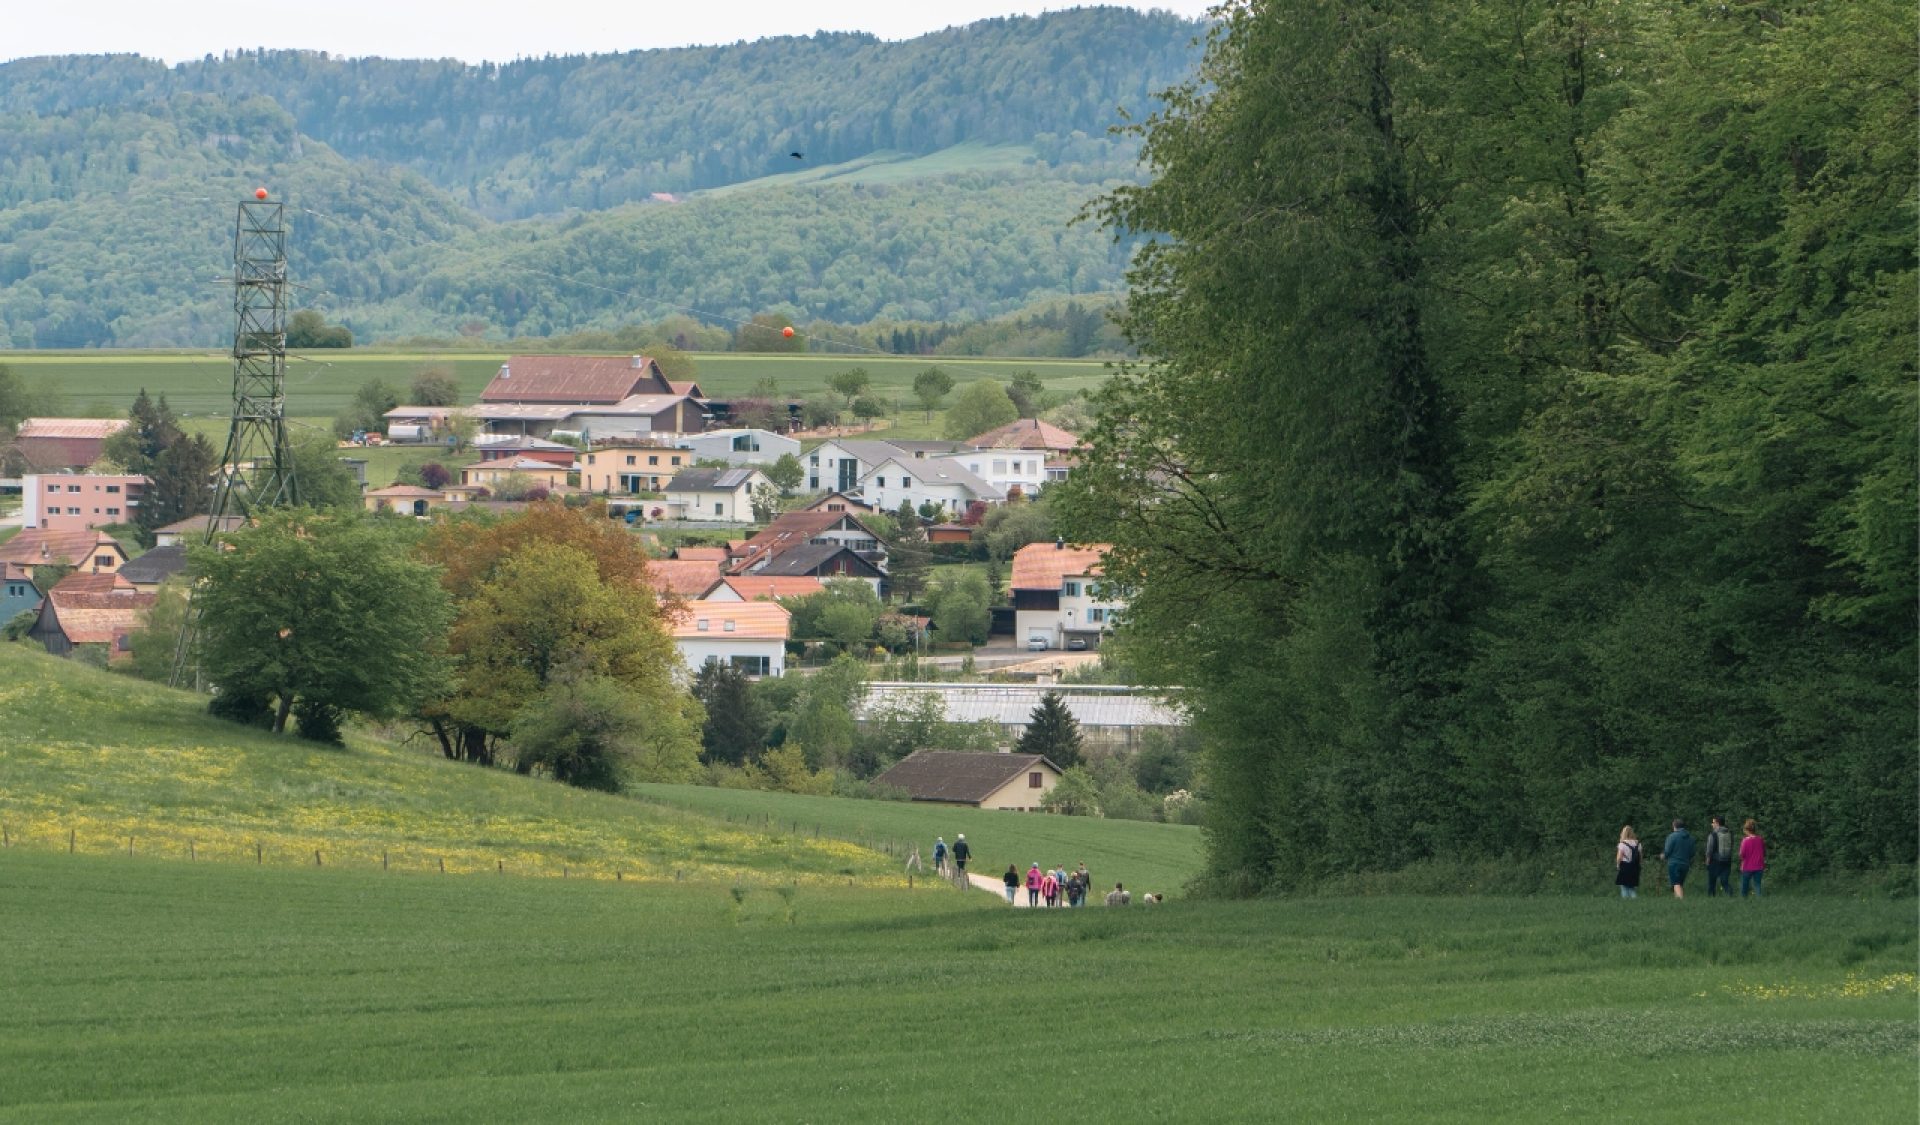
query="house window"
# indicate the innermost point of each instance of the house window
(1070, 589)
(589, 458)
(754, 665)
(103, 560)
(745, 444)
(882, 481)
(73, 511)
(73, 488)
(701, 625)
(1096, 615)
(113, 488)
(726, 626)
(814, 460)
(1034, 780)
(719, 508)
(631, 482)
(813, 483)
(653, 460)
(906, 482)
(999, 468)
(630, 458)
(53, 488)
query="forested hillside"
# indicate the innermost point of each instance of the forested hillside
(936, 180)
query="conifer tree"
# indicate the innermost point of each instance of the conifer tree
(1052, 732)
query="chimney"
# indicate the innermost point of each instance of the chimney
(636, 362)
(505, 372)
(1059, 544)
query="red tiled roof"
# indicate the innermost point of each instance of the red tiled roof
(573, 379)
(790, 530)
(1026, 433)
(97, 428)
(700, 554)
(1041, 566)
(687, 578)
(38, 545)
(760, 621)
(83, 583)
(98, 618)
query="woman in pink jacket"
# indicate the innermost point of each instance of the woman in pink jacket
(1033, 884)
(1049, 889)
(1753, 858)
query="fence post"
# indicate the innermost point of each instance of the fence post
(443, 865)
(619, 876)
(69, 841)
(192, 852)
(6, 841)
(563, 871)
(316, 857)
(257, 860)
(499, 867)
(383, 859)
(129, 846)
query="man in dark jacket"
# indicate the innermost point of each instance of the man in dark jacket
(961, 854)
(1678, 851)
(1721, 851)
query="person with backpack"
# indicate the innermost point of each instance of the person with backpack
(961, 854)
(1012, 880)
(1033, 884)
(940, 854)
(1626, 863)
(1753, 858)
(1678, 852)
(1074, 891)
(1721, 852)
(1050, 889)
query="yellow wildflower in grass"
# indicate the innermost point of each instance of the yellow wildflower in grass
(1855, 987)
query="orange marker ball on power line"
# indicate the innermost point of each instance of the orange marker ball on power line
(787, 331)
(259, 193)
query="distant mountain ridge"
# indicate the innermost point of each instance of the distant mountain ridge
(429, 195)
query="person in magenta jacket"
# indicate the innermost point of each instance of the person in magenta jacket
(1050, 889)
(1753, 858)
(1033, 884)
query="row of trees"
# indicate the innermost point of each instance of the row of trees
(1527, 446)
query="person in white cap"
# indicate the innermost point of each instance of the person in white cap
(961, 854)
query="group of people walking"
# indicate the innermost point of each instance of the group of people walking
(1679, 850)
(1056, 887)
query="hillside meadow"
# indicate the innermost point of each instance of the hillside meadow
(103, 763)
(206, 993)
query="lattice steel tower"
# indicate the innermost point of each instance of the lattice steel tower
(256, 471)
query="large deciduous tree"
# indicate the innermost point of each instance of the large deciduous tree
(977, 408)
(325, 612)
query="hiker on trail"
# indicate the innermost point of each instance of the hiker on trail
(1626, 863)
(961, 853)
(1118, 896)
(940, 854)
(1033, 884)
(1678, 852)
(1721, 852)
(1012, 880)
(1753, 858)
(1050, 889)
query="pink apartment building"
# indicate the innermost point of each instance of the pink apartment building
(79, 501)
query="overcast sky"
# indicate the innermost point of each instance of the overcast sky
(471, 29)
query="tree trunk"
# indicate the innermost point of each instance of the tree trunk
(280, 716)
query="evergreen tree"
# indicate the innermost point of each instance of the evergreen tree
(735, 731)
(1052, 732)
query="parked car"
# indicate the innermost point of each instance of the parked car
(1036, 644)
(1077, 643)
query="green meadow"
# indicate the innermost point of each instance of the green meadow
(151, 990)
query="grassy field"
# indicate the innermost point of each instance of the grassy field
(320, 386)
(105, 757)
(145, 990)
(1155, 857)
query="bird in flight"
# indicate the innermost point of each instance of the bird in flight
(798, 155)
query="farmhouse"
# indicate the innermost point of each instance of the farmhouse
(79, 501)
(91, 612)
(406, 499)
(52, 445)
(575, 380)
(1058, 595)
(1011, 782)
(751, 636)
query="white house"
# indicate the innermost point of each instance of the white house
(751, 636)
(939, 481)
(839, 465)
(1060, 597)
(1004, 469)
(737, 447)
(725, 495)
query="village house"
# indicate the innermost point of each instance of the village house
(91, 612)
(89, 552)
(724, 495)
(682, 578)
(839, 502)
(1010, 471)
(629, 468)
(492, 474)
(79, 501)
(751, 636)
(761, 588)
(823, 561)
(53, 445)
(403, 499)
(937, 481)
(1059, 597)
(527, 448)
(740, 446)
(193, 529)
(838, 465)
(593, 397)
(793, 530)
(154, 567)
(18, 594)
(985, 780)
(1060, 449)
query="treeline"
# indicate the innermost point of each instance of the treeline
(1530, 446)
(543, 135)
